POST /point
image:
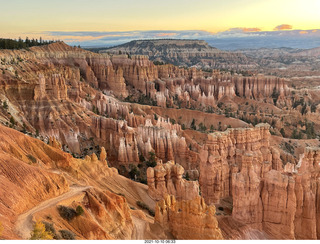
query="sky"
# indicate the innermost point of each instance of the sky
(100, 19)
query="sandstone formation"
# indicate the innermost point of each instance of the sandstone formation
(188, 220)
(57, 100)
(267, 195)
(119, 108)
(167, 179)
(227, 153)
(184, 52)
(33, 172)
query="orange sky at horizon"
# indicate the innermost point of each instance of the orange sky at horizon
(34, 17)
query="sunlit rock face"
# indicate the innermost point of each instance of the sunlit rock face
(191, 219)
(167, 179)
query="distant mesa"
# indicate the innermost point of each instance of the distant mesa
(181, 52)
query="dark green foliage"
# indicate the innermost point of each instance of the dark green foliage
(66, 212)
(275, 94)
(79, 210)
(24, 128)
(272, 132)
(187, 177)
(19, 44)
(141, 158)
(310, 130)
(295, 134)
(50, 228)
(202, 127)
(143, 181)
(145, 206)
(297, 103)
(304, 109)
(282, 132)
(142, 99)
(313, 108)
(32, 158)
(183, 127)
(158, 63)
(5, 105)
(152, 160)
(157, 86)
(172, 121)
(67, 235)
(12, 121)
(289, 148)
(155, 117)
(134, 172)
(95, 110)
(193, 126)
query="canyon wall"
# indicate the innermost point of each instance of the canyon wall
(188, 220)
(267, 194)
(167, 179)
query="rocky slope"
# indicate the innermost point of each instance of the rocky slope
(188, 220)
(33, 173)
(267, 193)
(132, 113)
(183, 53)
(51, 90)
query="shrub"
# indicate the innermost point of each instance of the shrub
(79, 210)
(187, 177)
(32, 158)
(134, 172)
(12, 121)
(67, 235)
(145, 206)
(143, 181)
(50, 228)
(66, 212)
(193, 126)
(151, 212)
(141, 158)
(39, 232)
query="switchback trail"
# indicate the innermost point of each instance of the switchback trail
(23, 225)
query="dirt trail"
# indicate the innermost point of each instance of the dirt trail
(140, 227)
(23, 225)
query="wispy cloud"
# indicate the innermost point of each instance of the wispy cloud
(251, 29)
(234, 38)
(283, 27)
(166, 34)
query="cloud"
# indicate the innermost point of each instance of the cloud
(283, 27)
(234, 38)
(166, 34)
(244, 29)
(251, 29)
